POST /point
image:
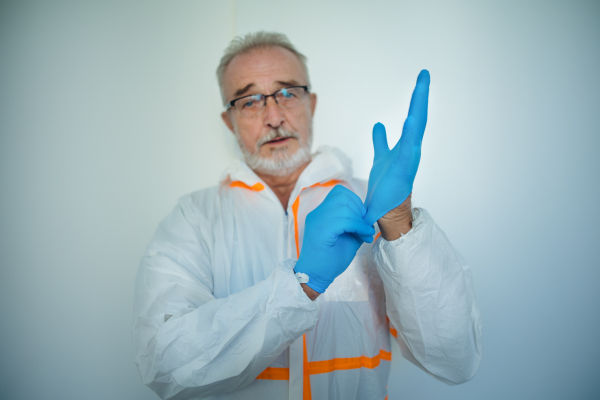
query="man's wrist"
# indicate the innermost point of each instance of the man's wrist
(312, 294)
(302, 280)
(397, 221)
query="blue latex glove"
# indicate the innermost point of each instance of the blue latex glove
(393, 173)
(333, 233)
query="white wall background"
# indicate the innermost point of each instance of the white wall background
(109, 111)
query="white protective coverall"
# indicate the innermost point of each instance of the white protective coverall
(219, 313)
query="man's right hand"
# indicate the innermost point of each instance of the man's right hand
(332, 235)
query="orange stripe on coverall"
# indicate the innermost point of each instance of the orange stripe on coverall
(296, 205)
(337, 364)
(306, 392)
(322, 367)
(393, 330)
(276, 374)
(257, 187)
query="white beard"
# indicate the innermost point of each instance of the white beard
(281, 162)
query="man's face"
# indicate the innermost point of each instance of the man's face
(264, 71)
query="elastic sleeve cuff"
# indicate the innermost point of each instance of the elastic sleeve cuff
(293, 289)
(387, 253)
(419, 216)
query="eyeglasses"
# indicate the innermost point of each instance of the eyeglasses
(249, 106)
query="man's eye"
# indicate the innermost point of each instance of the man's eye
(287, 94)
(251, 101)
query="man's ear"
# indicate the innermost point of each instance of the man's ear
(313, 103)
(227, 119)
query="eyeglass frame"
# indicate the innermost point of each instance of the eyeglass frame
(231, 104)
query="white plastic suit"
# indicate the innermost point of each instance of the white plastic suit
(219, 313)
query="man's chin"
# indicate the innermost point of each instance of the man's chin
(279, 152)
(281, 162)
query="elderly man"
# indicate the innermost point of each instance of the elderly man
(270, 286)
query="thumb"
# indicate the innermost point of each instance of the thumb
(370, 217)
(380, 143)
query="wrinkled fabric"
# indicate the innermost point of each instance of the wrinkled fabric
(217, 304)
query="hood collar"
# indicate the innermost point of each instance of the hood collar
(327, 163)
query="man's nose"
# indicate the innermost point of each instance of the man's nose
(273, 113)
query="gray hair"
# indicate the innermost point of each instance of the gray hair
(261, 39)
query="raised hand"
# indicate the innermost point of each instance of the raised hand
(332, 235)
(393, 172)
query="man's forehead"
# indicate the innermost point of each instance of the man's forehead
(263, 69)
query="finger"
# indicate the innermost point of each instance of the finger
(337, 189)
(380, 143)
(345, 196)
(408, 155)
(343, 207)
(333, 210)
(358, 210)
(414, 126)
(338, 226)
(340, 205)
(363, 238)
(371, 216)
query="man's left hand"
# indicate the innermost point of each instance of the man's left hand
(393, 172)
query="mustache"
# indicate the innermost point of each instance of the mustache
(278, 133)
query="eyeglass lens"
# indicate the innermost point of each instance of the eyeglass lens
(286, 98)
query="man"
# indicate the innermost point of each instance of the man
(270, 286)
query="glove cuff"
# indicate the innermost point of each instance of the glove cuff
(312, 281)
(302, 277)
(318, 286)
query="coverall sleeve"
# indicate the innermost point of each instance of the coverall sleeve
(430, 301)
(187, 343)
